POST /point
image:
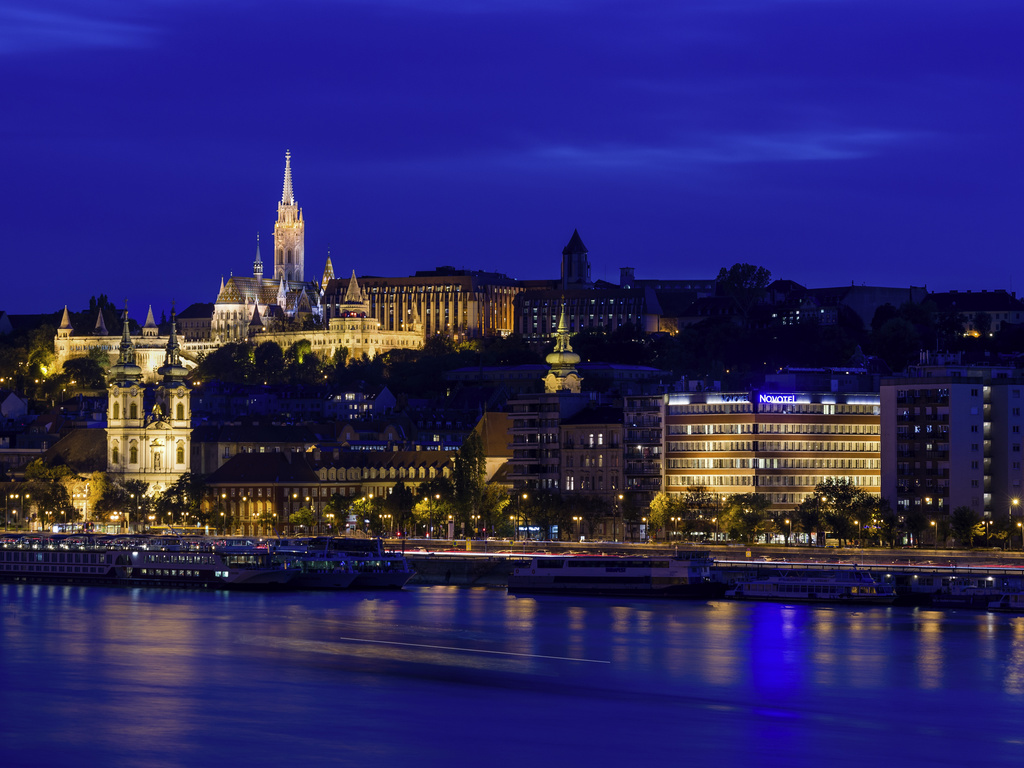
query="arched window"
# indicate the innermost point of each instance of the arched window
(117, 410)
(179, 412)
(133, 411)
(115, 454)
(133, 454)
(180, 456)
(156, 460)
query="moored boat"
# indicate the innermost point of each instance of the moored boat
(1008, 602)
(683, 574)
(136, 562)
(796, 586)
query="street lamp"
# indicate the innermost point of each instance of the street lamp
(856, 524)
(1013, 511)
(935, 534)
(577, 519)
(675, 526)
(644, 521)
(790, 534)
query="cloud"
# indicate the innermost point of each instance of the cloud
(28, 30)
(767, 148)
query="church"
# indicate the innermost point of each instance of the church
(285, 293)
(148, 427)
(260, 308)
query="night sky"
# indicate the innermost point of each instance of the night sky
(875, 141)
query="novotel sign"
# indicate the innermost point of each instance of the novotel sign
(776, 399)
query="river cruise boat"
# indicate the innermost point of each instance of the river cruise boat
(317, 566)
(1009, 602)
(374, 567)
(683, 574)
(137, 562)
(796, 586)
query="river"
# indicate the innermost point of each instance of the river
(447, 676)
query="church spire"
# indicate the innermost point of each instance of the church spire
(125, 369)
(563, 376)
(101, 326)
(172, 369)
(65, 320)
(257, 265)
(287, 196)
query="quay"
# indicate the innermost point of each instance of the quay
(925, 571)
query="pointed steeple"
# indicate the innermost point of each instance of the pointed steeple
(354, 294)
(328, 272)
(172, 369)
(256, 322)
(150, 329)
(125, 369)
(65, 320)
(563, 375)
(257, 265)
(287, 197)
(101, 325)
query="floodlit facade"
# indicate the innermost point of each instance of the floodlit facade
(777, 444)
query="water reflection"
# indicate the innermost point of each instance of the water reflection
(265, 679)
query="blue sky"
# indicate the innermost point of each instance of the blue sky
(875, 141)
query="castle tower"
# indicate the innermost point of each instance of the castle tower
(289, 232)
(575, 264)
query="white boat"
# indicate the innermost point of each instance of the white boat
(317, 567)
(136, 562)
(683, 574)
(799, 586)
(374, 567)
(1008, 602)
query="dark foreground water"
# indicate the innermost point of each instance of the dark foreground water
(438, 676)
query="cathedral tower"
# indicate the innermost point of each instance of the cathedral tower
(289, 232)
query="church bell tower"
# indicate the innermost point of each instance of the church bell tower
(289, 232)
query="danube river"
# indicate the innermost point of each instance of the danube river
(444, 676)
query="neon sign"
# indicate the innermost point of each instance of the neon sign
(776, 399)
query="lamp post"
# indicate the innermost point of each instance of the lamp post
(1013, 511)
(577, 519)
(935, 534)
(675, 526)
(856, 524)
(522, 515)
(622, 516)
(512, 523)
(790, 534)
(644, 531)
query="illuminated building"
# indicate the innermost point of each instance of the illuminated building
(951, 437)
(777, 444)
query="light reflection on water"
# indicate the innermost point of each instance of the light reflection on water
(449, 676)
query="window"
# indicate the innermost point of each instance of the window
(133, 411)
(115, 455)
(180, 454)
(117, 411)
(133, 454)
(180, 411)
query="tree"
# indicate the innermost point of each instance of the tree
(268, 360)
(809, 516)
(468, 477)
(964, 523)
(839, 500)
(303, 518)
(745, 284)
(182, 500)
(662, 509)
(746, 515)
(399, 504)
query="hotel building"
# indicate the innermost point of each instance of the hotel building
(777, 444)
